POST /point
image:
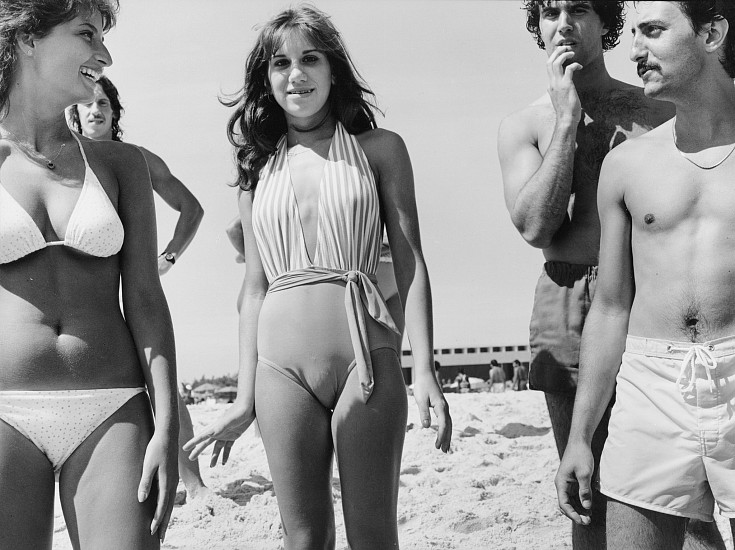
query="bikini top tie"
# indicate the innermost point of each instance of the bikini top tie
(93, 228)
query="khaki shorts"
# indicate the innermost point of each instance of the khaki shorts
(671, 443)
(562, 300)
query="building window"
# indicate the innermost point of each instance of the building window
(510, 348)
(458, 350)
(522, 348)
(406, 353)
(446, 351)
(471, 350)
(484, 350)
(497, 349)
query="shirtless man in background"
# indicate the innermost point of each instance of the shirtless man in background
(550, 155)
(665, 302)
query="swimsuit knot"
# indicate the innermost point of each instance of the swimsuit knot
(350, 277)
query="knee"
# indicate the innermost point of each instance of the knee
(378, 534)
(316, 537)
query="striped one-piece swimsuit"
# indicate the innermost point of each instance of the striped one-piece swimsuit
(348, 240)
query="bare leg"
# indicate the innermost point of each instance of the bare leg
(703, 535)
(633, 528)
(296, 435)
(27, 489)
(369, 442)
(99, 483)
(189, 469)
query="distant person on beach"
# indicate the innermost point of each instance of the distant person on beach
(319, 358)
(81, 379)
(99, 119)
(520, 376)
(463, 383)
(665, 303)
(497, 377)
(550, 155)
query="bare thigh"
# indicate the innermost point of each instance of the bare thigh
(633, 528)
(27, 488)
(369, 442)
(98, 484)
(295, 429)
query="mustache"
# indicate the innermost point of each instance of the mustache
(643, 67)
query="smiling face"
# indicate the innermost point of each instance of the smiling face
(70, 58)
(300, 78)
(96, 118)
(666, 49)
(572, 24)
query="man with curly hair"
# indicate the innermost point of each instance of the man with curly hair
(550, 154)
(660, 330)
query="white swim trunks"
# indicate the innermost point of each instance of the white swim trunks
(671, 443)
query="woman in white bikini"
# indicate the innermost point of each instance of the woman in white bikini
(75, 225)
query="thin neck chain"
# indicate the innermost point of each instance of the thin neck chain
(686, 155)
(32, 153)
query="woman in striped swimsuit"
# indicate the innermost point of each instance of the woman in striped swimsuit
(319, 364)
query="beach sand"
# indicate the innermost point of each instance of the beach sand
(493, 490)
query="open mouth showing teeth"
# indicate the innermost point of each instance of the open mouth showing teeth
(301, 92)
(91, 73)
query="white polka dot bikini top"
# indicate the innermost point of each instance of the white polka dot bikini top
(94, 226)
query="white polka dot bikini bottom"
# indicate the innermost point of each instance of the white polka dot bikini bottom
(57, 422)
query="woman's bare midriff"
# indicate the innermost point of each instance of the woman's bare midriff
(61, 326)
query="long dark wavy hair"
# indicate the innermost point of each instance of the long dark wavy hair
(38, 17)
(258, 121)
(610, 12)
(117, 109)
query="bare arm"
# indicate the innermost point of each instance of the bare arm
(178, 197)
(256, 286)
(603, 341)
(149, 321)
(237, 238)
(538, 187)
(398, 204)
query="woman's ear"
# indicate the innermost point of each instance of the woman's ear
(25, 43)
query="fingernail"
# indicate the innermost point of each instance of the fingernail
(426, 423)
(142, 496)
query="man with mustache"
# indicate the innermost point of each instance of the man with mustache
(550, 154)
(660, 330)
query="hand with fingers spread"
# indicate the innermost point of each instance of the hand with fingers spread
(562, 91)
(428, 395)
(573, 482)
(160, 465)
(223, 432)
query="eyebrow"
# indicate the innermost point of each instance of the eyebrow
(302, 53)
(649, 22)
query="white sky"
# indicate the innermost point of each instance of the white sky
(445, 73)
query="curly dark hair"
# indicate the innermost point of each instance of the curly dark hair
(117, 109)
(258, 121)
(610, 12)
(702, 12)
(38, 17)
